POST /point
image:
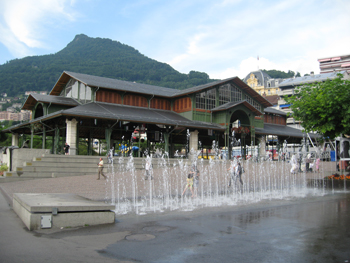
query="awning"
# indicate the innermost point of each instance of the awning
(284, 106)
(280, 130)
(116, 112)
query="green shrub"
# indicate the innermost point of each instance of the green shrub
(3, 168)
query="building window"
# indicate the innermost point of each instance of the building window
(200, 100)
(76, 90)
(84, 93)
(71, 88)
(254, 103)
(88, 94)
(228, 93)
(236, 94)
(224, 94)
(211, 99)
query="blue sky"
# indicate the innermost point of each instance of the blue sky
(223, 38)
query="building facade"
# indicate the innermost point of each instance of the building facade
(262, 83)
(335, 64)
(82, 106)
(14, 116)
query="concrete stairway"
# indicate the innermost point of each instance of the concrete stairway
(51, 165)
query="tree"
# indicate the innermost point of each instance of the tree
(277, 74)
(323, 107)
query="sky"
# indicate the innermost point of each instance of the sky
(223, 38)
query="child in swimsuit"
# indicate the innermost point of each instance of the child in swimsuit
(189, 184)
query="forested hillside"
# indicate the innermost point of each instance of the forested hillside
(276, 74)
(95, 56)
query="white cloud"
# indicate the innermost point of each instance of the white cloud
(288, 35)
(303, 66)
(222, 39)
(23, 23)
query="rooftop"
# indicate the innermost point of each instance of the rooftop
(309, 79)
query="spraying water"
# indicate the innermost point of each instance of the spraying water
(262, 179)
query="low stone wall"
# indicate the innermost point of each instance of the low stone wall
(15, 157)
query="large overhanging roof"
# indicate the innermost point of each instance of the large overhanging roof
(136, 114)
(109, 83)
(115, 112)
(274, 111)
(230, 105)
(280, 130)
(33, 99)
(115, 84)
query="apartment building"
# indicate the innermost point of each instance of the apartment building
(334, 64)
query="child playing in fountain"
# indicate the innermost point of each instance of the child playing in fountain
(148, 167)
(232, 170)
(195, 173)
(294, 163)
(189, 184)
(239, 172)
(235, 172)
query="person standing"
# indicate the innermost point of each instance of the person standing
(66, 149)
(100, 169)
(232, 170)
(148, 168)
(189, 184)
(109, 157)
(294, 163)
(195, 173)
(307, 163)
(317, 164)
(239, 173)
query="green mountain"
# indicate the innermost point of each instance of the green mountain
(95, 56)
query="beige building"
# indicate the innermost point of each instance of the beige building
(14, 116)
(262, 83)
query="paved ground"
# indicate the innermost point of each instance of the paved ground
(311, 229)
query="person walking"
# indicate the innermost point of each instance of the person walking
(100, 170)
(66, 149)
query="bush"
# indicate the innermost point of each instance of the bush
(3, 168)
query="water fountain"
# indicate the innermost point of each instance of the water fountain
(263, 179)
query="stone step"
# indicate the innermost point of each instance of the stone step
(50, 165)
(95, 159)
(45, 174)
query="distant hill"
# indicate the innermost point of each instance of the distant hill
(95, 56)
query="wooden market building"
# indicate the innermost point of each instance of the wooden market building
(91, 107)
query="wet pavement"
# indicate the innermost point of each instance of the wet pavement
(313, 229)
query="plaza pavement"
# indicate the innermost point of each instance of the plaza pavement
(313, 229)
(87, 185)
